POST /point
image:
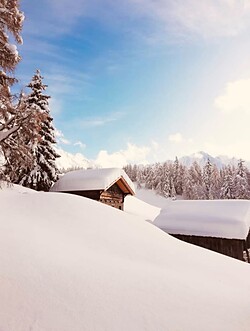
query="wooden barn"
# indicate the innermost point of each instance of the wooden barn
(219, 225)
(109, 186)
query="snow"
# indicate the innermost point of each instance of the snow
(70, 263)
(16, 188)
(135, 206)
(152, 198)
(90, 179)
(215, 218)
(12, 48)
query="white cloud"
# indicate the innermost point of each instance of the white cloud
(238, 149)
(235, 98)
(101, 121)
(58, 85)
(133, 154)
(60, 138)
(213, 18)
(155, 145)
(177, 137)
(80, 144)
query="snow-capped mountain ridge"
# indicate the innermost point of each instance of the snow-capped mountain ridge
(78, 160)
(202, 157)
(72, 161)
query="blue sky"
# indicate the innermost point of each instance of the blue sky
(142, 80)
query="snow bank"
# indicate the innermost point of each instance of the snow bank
(215, 218)
(70, 263)
(90, 179)
(13, 187)
(137, 207)
(150, 197)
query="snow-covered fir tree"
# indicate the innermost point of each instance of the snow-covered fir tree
(207, 180)
(178, 176)
(228, 186)
(173, 191)
(18, 152)
(189, 186)
(11, 21)
(43, 171)
(241, 182)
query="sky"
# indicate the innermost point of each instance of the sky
(142, 81)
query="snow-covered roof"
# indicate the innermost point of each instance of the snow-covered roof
(215, 218)
(93, 179)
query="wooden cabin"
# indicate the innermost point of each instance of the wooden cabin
(109, 186)
(219, 225)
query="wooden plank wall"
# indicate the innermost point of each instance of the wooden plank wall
(230, 247)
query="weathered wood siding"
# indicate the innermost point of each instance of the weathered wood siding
(230, 247)
(113, 197)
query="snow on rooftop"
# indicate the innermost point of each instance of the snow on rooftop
(102, 269)
(90, 179)
(215, 218)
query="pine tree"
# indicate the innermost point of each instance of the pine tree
(189, 186)
(177, 177)
(241, 182)
(173, 192)
(43, 171)
(207, 180)
(10, 22)
(228, 186)
(166, 189)
(19, 156)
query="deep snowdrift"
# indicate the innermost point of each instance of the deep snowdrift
(69, 263)
(137, 207)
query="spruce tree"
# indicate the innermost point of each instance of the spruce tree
(43, 171)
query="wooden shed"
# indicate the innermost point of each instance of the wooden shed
(219, 225)
(109, 185)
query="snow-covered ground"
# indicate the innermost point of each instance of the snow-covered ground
(69, 263)
(137, 207)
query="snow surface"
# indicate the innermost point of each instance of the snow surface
(152, 198)
(17, 188)
(216, 218)
(137, 207)
(70, 263)
(90, 179)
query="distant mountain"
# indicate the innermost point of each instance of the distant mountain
(72, 161)
(78, 160)
(202, 157)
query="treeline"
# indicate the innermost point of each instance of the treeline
(195, 182)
